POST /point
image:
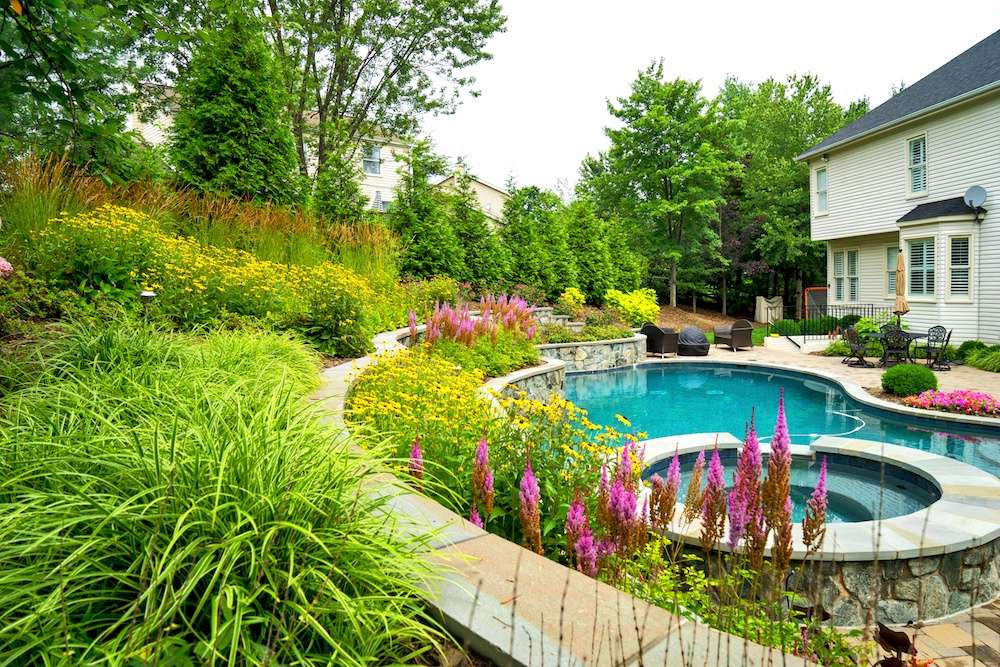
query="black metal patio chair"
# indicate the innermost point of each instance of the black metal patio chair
(857, 345)
(895, 346)
(938, 338)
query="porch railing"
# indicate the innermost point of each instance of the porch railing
(822, 320)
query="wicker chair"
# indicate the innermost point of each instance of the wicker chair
(736, 335)
(938, 338)
(895, 345)
(659, 341)
(857, 345)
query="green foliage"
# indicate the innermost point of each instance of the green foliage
(634, 308)
(570, 302)
(230, 133)
(849, 321)
(557, 333)
(338, 196)
(986, 359)
(968, 347)
(420, 217)
(819, 325)
(588, 240)
(837, 348)
(507, 353)
(538, 239)
(23, 297)
(487, 260)
(908, 380)
(169, 497)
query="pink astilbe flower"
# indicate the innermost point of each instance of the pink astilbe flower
(413, 327)
(777, 486)
(530, 510)
(625, 471)
(576, 524)
(416, 461)
(814, 523)
(586, 551)
(6, 269)
(693, 497)
(474, 518)
(782, 550)
(745, 495)
(713, 509)
(482, 478)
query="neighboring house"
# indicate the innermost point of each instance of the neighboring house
(378, 158)
(491, 198)
(895, 178)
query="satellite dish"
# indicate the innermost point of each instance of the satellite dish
(975, 196)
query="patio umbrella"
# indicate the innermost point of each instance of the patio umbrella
(901, 307)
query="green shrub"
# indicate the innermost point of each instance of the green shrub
(557, 333)
(570, 302)
(837, 348)
(600, 317)
(908, 380)
(169, 497)
(818, 325)
(987, 359)
(967, 348)
(25, 298)
(507, 353)
(787, 327)
(635, 308)
(849, 320)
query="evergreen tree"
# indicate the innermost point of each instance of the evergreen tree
(231, 133)
(487, 261)
(588, 241)
(338, 196)
(538, 241)
(420, 216)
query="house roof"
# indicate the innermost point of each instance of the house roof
(971, 73)
(939, 209)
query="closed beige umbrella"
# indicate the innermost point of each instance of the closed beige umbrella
(902, 307)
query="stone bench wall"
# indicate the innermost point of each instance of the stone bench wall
(598, 355)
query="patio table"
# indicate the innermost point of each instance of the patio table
(910, 336)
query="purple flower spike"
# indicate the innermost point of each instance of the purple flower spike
(530, 511)
(674, 473)
(819, 499)
(474, 518)
(586, 554)
(781, 452)
(413, 327)
(416, 460)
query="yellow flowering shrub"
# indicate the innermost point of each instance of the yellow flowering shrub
(119, 251)
(414, 392)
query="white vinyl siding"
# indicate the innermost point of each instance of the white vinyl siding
(960, 266)
(916, 156)
(922, 267)
(891, 262)
(845, 276)
(822, 187)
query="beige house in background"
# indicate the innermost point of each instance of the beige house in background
(378, 159)
(490, 197)
(895, 179)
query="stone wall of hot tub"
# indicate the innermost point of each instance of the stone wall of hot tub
(537, 382)
(597, 355)
(900, 591)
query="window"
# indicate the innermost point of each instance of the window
(891, 262)
(372, 160)
(959, 266)
(917, 160)
(922, 267)
(821, 191)
(845, 275)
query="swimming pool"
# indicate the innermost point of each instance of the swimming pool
(676, 398)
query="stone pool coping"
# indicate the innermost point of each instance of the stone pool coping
(587, 343)
(966, 515)
(516, 607)
(851, 388)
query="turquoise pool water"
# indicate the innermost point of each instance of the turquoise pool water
(671, 399)
(858, 490)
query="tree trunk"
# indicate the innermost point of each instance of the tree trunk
(673, 284)
(723, 292)
(694, 302)
(798, 295)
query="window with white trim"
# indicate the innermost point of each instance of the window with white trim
(845, 275)
(917, 164)
(821, 190)
(922, 267)
(959, 265)
(891, 262)
(371, 161)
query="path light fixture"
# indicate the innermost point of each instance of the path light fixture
(146, 296)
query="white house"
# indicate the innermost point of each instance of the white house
(895, 179)
(490, 198)
(379, 158)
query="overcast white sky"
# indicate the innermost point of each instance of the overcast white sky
(543, 101)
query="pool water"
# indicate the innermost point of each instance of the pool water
(677, 398)
(857, 489)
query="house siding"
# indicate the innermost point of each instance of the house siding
(867, 194)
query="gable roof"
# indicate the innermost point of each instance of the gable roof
(939, 209)
(971, 73)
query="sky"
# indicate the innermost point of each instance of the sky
(543, 97)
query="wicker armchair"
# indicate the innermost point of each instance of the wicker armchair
(659, 341)
(736, 335)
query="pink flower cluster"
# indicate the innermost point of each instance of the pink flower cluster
(965, 401)
(495, 313)
(6, 269)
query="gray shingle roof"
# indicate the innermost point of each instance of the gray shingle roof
(939, 209)
(971, 70)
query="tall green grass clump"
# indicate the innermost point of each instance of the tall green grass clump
(169, 499)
